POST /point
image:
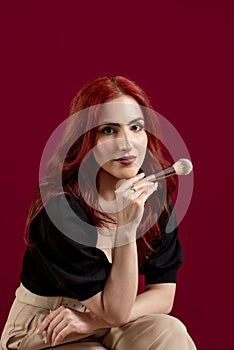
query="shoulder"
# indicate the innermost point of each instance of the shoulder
(65, 217)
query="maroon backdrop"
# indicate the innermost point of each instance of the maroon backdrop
(182, 54)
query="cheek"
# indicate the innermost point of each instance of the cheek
(145, 141)
(103, 152)
(142, 142)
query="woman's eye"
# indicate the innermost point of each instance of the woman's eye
(137, 127)
(108, 130)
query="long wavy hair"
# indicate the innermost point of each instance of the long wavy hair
(94, 94)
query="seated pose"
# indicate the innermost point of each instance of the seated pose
(94, 225)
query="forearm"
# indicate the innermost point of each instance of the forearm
(153, 301)
(114, 304)
(120, 291)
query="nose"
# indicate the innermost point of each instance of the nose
(125, 142)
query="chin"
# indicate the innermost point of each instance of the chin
(121, 173)
(127, 173)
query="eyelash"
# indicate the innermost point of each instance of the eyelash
(103, 131)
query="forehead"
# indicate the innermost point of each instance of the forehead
(121, 110)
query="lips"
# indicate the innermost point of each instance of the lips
(125, 160)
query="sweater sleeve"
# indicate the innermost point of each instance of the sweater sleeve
(163, 264)
(62, 264)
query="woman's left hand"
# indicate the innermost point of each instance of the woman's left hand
(63, 321)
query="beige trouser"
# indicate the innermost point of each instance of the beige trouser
(161, 332)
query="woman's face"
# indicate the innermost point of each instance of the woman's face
(121, 139)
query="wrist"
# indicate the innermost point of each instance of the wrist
(125, 234)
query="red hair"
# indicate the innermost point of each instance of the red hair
(93, 94)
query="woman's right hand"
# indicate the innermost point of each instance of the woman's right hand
(131, 195)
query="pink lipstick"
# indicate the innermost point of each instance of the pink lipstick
(126, 160)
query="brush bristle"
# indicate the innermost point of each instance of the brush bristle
(183, 167)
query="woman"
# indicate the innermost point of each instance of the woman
(79, 277)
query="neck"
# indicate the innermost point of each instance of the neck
(107, 185)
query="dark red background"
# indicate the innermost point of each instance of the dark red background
(182, 54)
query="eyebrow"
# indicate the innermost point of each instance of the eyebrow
(117, 124)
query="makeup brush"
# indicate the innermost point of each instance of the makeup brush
(181, 167)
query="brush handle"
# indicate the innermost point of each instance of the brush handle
(161, 174)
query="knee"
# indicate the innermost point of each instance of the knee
(173, 334)
(175, 325)
(167, 323)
